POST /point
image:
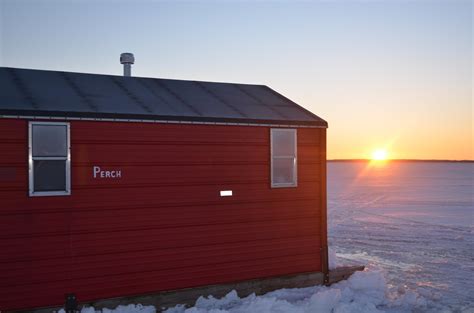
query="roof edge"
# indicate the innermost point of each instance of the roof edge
(151, 118)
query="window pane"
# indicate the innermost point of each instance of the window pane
(283, 171)
(49, 140)
(49, 175)
(283, 143)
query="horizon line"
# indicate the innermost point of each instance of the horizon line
(402, 160)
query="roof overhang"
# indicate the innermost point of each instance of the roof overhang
(112, 117)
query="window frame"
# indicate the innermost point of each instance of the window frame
(295, 158)
(67, 158)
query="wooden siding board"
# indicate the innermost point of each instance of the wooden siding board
(141, 283)
(121, 206)
(41, 224)
(103, 240)
(99, 260)
(196, 275)
(163, 195)
(92, 266)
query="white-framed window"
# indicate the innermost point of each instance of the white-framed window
(283, 157)
(49, 159)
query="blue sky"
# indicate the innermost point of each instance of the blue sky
(390, 74)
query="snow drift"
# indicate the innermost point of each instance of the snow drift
(365, 291)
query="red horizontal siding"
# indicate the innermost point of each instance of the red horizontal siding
(172, 258)
(162, 225)
(144, 175)
(146, 282)
(158, 196)
(118, 219)
(114, 241)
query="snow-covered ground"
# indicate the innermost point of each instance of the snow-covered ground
(410, 223)
(362, 292)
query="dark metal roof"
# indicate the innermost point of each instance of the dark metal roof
(65, 94)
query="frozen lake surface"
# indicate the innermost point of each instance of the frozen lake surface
(414, 220)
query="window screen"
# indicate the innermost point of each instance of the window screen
(283, 157)
(49, 159)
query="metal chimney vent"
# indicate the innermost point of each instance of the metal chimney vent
(127, 59)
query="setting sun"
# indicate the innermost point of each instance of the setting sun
(379, 155)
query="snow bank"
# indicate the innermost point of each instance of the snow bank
(131, 308)
(365, 291)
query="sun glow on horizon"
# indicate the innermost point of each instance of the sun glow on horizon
(380, 155)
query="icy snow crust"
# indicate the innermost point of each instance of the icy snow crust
(131, 308)
(362, 292)
(410, 223)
